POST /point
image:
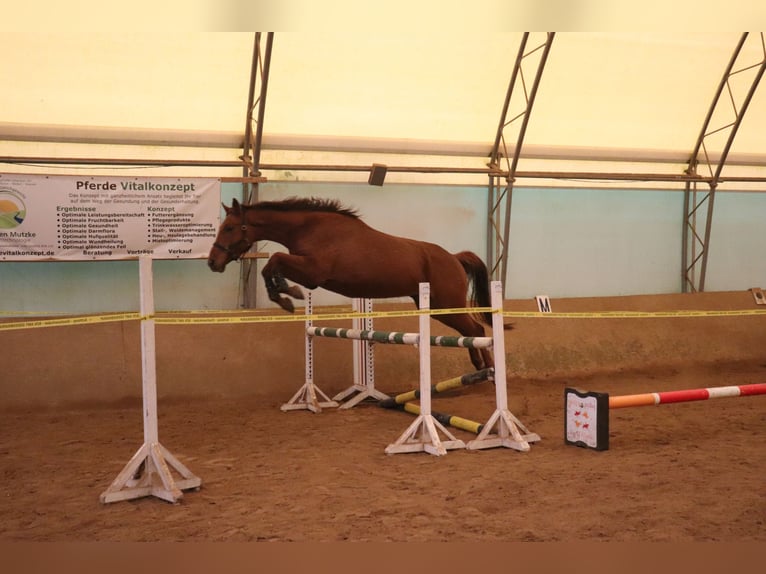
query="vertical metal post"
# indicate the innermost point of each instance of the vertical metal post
(251, 152)
(695, 245)
(686, 245)
(501, 227)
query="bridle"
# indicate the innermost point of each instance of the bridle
(228, 250)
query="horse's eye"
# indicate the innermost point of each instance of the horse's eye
(228, 228)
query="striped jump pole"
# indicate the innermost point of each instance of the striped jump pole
(454, 383)
(651, 399)
(399, 338)
(445, 419)
(586, 421)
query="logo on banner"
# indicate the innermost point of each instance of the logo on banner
(13, 210)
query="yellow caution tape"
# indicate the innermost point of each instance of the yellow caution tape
(63, 322)
(635, 314)
(313, 317)
(34, 313)
(237, 316)
(416, 312)
(232, 318)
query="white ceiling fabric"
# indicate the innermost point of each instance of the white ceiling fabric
(630, 91)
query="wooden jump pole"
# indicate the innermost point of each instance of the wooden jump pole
(445, 419)
(400, 338)
(462, 381)
(685, 396)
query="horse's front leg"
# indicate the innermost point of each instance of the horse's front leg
(274, 272)
(292, 290)
(275, 285)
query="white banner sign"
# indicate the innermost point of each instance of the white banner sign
(81, 218)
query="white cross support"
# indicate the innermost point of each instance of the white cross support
(423, 434)
(149, 472)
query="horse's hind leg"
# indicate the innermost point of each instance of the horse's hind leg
(481, 359)
(468, 327)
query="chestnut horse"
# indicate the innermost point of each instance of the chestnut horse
(331, 247)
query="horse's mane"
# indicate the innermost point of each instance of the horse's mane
(307, 204)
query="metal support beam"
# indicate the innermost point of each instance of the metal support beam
(499, 195)
(162, 137)
(698, 221)
(341, 168)
(251, 153)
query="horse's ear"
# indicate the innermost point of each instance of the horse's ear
(235, 207)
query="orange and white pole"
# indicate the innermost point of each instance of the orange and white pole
(684, 396)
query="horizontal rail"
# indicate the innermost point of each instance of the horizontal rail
(399, 338)
(489, 171)
(453, 383)
(446, 419)
(158, 137)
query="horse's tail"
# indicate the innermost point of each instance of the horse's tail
(478, 277)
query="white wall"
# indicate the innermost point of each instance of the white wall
(585, 243)
(737, 257)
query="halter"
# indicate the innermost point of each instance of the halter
(229, 252)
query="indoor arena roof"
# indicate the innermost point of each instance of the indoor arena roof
(635, 96)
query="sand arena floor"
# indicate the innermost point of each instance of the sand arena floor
(687, 472)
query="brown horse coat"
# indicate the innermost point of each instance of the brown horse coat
(329, 246)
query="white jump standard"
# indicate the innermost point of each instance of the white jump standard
(364, 362)
(148, 473)
(423, 434)
(364, 368)
(502, 428)
(306, 397)
(427, 433)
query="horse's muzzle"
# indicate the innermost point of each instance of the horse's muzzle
(216, 264)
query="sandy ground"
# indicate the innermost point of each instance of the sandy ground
(687, 472)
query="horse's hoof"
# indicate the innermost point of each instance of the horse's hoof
(286, 304)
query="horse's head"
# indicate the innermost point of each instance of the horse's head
(232, 240)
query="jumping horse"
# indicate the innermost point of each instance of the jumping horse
(331, 247)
